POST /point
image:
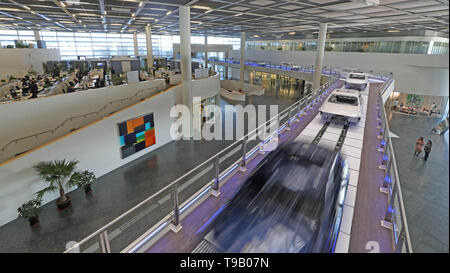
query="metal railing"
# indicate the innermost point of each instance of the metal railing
(167, 207)
(69, 119)
(300, 68)
(395, 217)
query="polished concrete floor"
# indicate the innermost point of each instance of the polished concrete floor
(123, 188)
(425, 184)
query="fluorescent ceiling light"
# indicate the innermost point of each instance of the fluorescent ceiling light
(292, 33)
(87, 14)
(140, 4)
(169, 12)
(201, 7)
(134, 14)
(10, 9)
(208, 11)
(120, 9)
(239, 14)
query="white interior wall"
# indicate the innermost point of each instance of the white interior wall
(18, 61)
(96, 147)
(47, 113)
(414, 73)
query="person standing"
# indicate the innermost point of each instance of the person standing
(427, 150)
(432, 109)
(419, 146)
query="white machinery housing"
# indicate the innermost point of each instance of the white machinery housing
(342, 103)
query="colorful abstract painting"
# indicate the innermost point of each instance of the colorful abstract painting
(136, 134)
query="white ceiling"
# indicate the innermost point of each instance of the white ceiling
(218, 17)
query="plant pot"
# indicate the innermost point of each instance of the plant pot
(88, 189)
(33, 221)
(63, 205)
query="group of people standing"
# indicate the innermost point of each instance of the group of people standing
(420, 147)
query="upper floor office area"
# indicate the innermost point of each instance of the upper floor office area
(424, 42)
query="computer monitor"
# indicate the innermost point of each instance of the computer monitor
(99, 64)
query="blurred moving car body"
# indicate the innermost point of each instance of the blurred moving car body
(292, 203)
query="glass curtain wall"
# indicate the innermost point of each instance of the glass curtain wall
(105, 45)
(410, 47)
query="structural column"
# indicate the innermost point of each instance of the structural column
(319, 55)
(136, 49)
(226, 66)
(206, 51)
(242, 67)
(37, 38)
(185, 59)
(148, 39)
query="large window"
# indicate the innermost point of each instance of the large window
(409, 47)
(105, 45)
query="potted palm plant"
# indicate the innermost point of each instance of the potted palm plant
(30, 210)
(56, 173)
(83, 180)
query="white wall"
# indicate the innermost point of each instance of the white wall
(206, 87)
(414, 73)
(25, 118)
(18, 61)
(96, 146)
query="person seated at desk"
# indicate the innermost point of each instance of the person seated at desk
(71, 88)
(13, 93)
(33, 89)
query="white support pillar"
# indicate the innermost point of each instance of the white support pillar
(136, 49)
(148, 39)
(226, 66)
(185, 59)
(319, 55)
(242, 64)
(37, 38)
(206, 51)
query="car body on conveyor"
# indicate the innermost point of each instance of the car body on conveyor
(291, 203)
(357, 80)
(342, 103)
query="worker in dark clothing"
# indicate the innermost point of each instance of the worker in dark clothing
(33, 89)
(71, 88)
(13, 93)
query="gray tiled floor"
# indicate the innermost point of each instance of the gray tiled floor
(425, 184)
(119, 190)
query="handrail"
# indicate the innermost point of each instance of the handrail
(198, 167)
(393, 164)
(74, 117)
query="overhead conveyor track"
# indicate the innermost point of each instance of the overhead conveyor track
(342, 137)
(321, 132)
